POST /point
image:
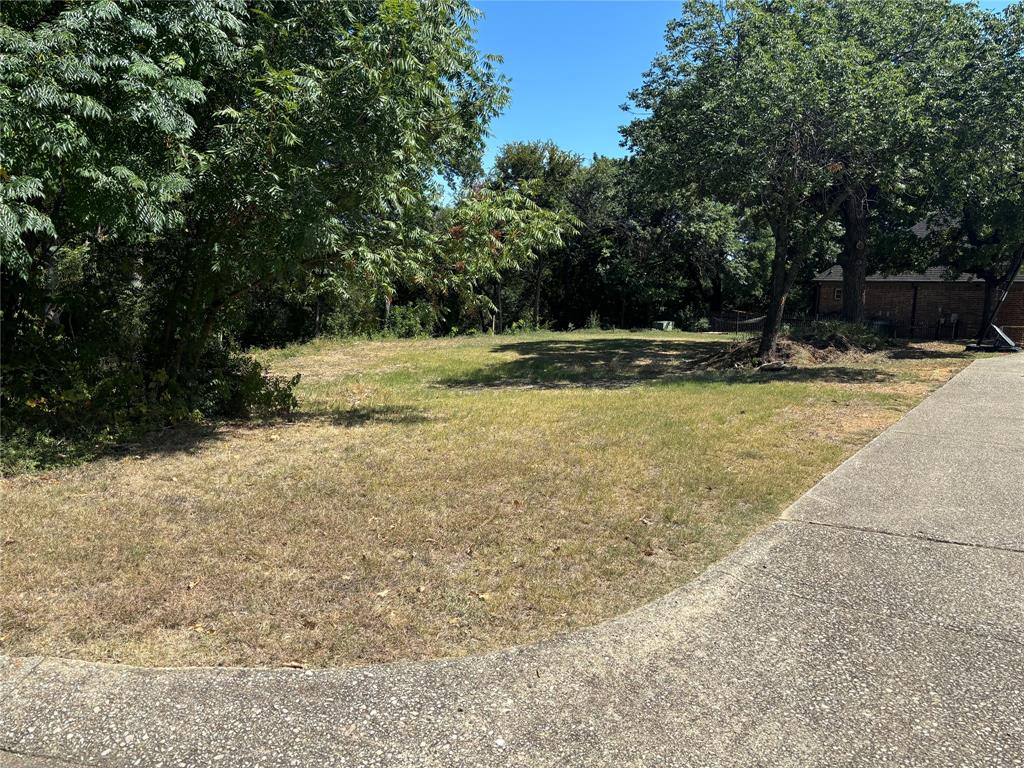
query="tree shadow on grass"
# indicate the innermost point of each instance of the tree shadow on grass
(384, 414)
(619, 363)
(917, 353)
(191, 438)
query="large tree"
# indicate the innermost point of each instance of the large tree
(976, 221)
(545, 174)
(902, 56)
(746, 104)
(158, 161)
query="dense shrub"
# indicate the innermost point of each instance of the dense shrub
(86, 409)
(411, 320)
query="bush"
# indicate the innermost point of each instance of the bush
(237, 386)
(411, 320)
(523, 325)
(28, 450)
(79, 413)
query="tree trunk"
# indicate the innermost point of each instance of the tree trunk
(536, 298)
(204, 334)
(990, 289)
(854, 259)
(715, 305)
(501, 313)
(784, 268)
(184, 329)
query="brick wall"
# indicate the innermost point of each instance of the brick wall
(1011, 316)
(936, 304)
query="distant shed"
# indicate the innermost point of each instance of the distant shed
(924, 305)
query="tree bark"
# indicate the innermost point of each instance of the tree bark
(782, 279)
(184, 328)
(990, 286)
(854, 259)
(501, 312)
(536, 298)
(204, 332)
(716, 301)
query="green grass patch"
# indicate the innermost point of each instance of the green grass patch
(433, 497)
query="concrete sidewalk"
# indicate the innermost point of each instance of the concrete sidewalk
(880, 622)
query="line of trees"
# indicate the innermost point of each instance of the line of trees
(180, 181)
(628, 253)
(842, 124)
(771, 139)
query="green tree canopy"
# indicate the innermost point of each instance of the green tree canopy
(158, 161)
(976, 219)
(744, 105)
(805, 114)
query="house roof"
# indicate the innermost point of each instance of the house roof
(930, 275)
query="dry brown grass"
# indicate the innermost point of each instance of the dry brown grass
(433, 498)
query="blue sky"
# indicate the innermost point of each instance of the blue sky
(572, 64)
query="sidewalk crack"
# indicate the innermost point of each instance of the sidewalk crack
(22, 677)
(916, 536)
(42, 756)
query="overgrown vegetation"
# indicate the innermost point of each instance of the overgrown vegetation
(433, 497)
(182, 181)
(164, 165)
(807, 343)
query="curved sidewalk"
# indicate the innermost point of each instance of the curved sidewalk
(880, 622)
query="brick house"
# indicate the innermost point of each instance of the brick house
(925, 305)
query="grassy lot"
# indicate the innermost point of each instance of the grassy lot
(433, 497)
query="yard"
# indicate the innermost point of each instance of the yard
(432, 497)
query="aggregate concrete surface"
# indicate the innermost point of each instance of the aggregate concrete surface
(879, 622)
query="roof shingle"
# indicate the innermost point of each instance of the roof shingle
(930, 275)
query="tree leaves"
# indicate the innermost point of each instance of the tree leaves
(185, 154)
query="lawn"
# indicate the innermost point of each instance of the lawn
(432, 498)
